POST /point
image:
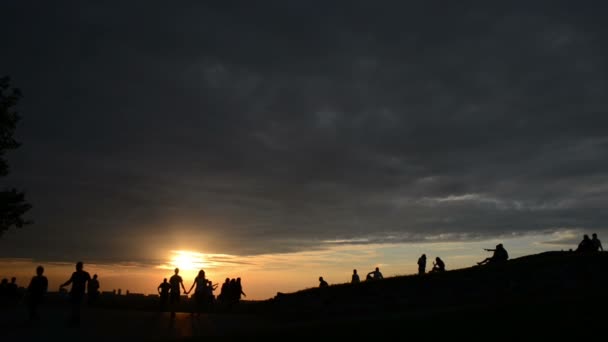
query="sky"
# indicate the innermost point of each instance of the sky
(283, 140)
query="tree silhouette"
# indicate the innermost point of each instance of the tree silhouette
(12, 202)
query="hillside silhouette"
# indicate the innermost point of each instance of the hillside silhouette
(548, 293)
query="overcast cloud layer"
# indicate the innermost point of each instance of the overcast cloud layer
(272, 126)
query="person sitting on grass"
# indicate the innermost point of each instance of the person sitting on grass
(322, 282)
(375, 275)
(438, 265)
(596, 243)
(500, 255)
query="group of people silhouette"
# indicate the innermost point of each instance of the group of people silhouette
(9, 291)
(438, 265)
(500, 254)
(204, 299)
(372, 275)
(588, 245)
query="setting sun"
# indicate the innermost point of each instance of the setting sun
(187, 260)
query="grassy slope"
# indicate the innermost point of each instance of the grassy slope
(551, 293)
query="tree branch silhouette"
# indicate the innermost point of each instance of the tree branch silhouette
(12, 202)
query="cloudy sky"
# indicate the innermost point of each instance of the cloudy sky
(261, 127)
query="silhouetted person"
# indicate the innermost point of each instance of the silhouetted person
(239, 289)
(12, 291)
(200, 292)
(322, 282)
(375, 274)
(596, 243)
(175, 281)
(36, 291)
(500, 255)
(422, 264)
(355, 278)
(93, 290)
(79, 280)
(438, 265)
(210, 298)
(163, 292)
(3, 290)
(586, 245)
(224, 292)
(232, 292)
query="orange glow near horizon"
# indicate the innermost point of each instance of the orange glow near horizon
(266, 274)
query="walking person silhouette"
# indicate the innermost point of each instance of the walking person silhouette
(78, 280)
(36, 292)
(175, 281)
(163, 292)
(200, 292)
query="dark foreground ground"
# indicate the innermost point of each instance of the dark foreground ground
(554, 295)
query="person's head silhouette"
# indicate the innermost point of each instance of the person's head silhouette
(39, 270)
(164, 280)
(94, 276)
(79, 266)
(176, 271)
(201, 274)
(354, 271)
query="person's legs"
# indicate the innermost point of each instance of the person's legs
(173, 303)
(484, 261)
(33, 309)
(76, 301)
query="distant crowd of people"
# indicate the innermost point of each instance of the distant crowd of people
(499, 255)
(203, 298)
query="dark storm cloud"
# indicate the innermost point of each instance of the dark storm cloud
(282, 126)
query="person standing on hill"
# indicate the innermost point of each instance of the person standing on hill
(79, 281)
(355, 278)
(596, 243)
(422, 264)
(176, 281)
(36, 291)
